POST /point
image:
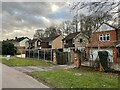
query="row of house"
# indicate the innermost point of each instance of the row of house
(107, 37)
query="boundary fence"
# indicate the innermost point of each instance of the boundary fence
(40, 54)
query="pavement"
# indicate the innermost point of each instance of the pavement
(41, 68)
(12, 78)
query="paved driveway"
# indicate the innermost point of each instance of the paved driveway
(12, 78)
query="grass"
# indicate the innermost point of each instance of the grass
(73, 79)
(25, 62)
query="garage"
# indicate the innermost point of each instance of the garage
(94, 54)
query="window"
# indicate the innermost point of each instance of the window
(64, 42)
(107, 37)
(104, 37)
(81, 40)
(38, 43)
(50, 43)
(101, 37)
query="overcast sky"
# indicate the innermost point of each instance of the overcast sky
(22, 19)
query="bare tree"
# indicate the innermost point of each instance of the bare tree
(66, 27)
(96, 7)
(52, 31)
(38, 34)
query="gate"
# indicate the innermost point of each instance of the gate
(61, 57)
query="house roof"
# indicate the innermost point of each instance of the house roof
(71, 36)
(17, 39)
(48, 39)
(111, 25)
(32, 41)
(20, 39)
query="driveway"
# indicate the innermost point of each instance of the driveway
(12, 78)
(41, 68)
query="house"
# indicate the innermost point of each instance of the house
(19, 43)
(104, 39)
(75, 42)
(49, 42)
(43, 48)
(30, 44)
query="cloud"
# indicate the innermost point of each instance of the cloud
(23, 18)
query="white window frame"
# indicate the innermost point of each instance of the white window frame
(103, 37)
(50, 43)
(108, 36)
(39, 43)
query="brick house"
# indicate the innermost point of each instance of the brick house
(105, 38)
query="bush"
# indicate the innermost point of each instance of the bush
(8, 48)
(103, 57)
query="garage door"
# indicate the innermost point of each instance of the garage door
(94, 53)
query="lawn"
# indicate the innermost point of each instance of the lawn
(73, 79)
(25, 62)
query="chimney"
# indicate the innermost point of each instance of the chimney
(15, 38)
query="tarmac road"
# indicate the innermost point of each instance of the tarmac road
(12, 78)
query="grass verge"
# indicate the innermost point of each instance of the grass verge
(73, 79)
(25, 62)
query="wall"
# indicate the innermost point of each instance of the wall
(22, 43)
(111, 32)
(78, 43)
(57, 43)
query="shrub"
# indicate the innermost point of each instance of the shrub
(8, 48)
(103, 58)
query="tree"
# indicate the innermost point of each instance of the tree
(38, 34)
(89, 23)
(8, 48)
(52, 31)
(96, 7)
(75, 22)
(66, 27)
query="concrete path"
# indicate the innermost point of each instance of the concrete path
(12, 78)
(40, 68)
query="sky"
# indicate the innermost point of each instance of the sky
(23, 18)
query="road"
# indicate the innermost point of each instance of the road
(12, 78)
